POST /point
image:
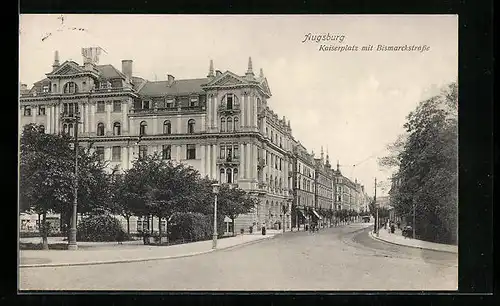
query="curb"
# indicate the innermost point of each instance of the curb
(93, 263)
(370, 233)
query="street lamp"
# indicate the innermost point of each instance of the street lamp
(72, 232)
(215, 190)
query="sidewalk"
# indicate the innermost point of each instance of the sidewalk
(397, 238)
(105, 253)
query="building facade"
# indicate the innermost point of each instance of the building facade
(220, 124)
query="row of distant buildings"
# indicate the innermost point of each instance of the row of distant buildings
(221, 124)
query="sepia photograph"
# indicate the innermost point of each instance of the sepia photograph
(238, 152)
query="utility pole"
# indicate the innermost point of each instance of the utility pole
(376, 207)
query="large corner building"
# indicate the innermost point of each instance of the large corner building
(220, 124)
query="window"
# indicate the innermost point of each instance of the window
(145, 104)
(191, 123)
(100, 153)
(221, 176)
(100, 106)
(70, 129)
(236, 124)
(142, 225)
(229, 153)
(170, 103)
(222, 151)
(65, 128)
(117, 153)
(167, 127)
(45, 88)
(166, 151)
(27, 111)
(70, 88)
(42, 129)
(191, 151)
(229, 101)
(143, 128)
(41, 110)
(117, 106)
(222, 124)
(70, 108)
(100, 129)
(229, 124)
(143, 151)
(193, 101)
(54, 87)
(229, 177)
(117, 129)
(235, 175)
(236, 152)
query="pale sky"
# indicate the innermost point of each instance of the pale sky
(354, 103)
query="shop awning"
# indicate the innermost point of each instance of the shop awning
(302, 212)
(316, 214)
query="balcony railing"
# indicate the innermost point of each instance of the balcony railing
(228, 160)
(225, 110)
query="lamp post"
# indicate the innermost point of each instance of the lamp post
(72, 232)
(215, 190)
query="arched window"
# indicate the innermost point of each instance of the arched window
(236, 123)
(167, 127)
(222, 124)
(54, 87)
(100, 129)
(229, 124)
(222, 172)
(70, 129)
(70, 88)
(143, 128)
(65, 128)
(191, 123)
(117, 129)
(235, 175)
(271, 182)
(229, 175)
(42, 129)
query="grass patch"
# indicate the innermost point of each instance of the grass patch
(39, 246)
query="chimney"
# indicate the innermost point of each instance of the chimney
(170, 79)
(127, 68)
(217, 73)
(211, 70)
(55, 65)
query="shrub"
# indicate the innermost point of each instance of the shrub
(101, 228)
(189, 226)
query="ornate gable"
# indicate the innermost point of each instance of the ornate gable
(227, 79)
(68, 68)
(265, 87)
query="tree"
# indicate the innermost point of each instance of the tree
(46, 183)
(427, 171)
(162, 187)
(234, 202)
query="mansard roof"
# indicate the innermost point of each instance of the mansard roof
(178, 87)
(109, 72)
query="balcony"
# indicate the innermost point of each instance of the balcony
(228, 161)
(70, 115)
(228, 111)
